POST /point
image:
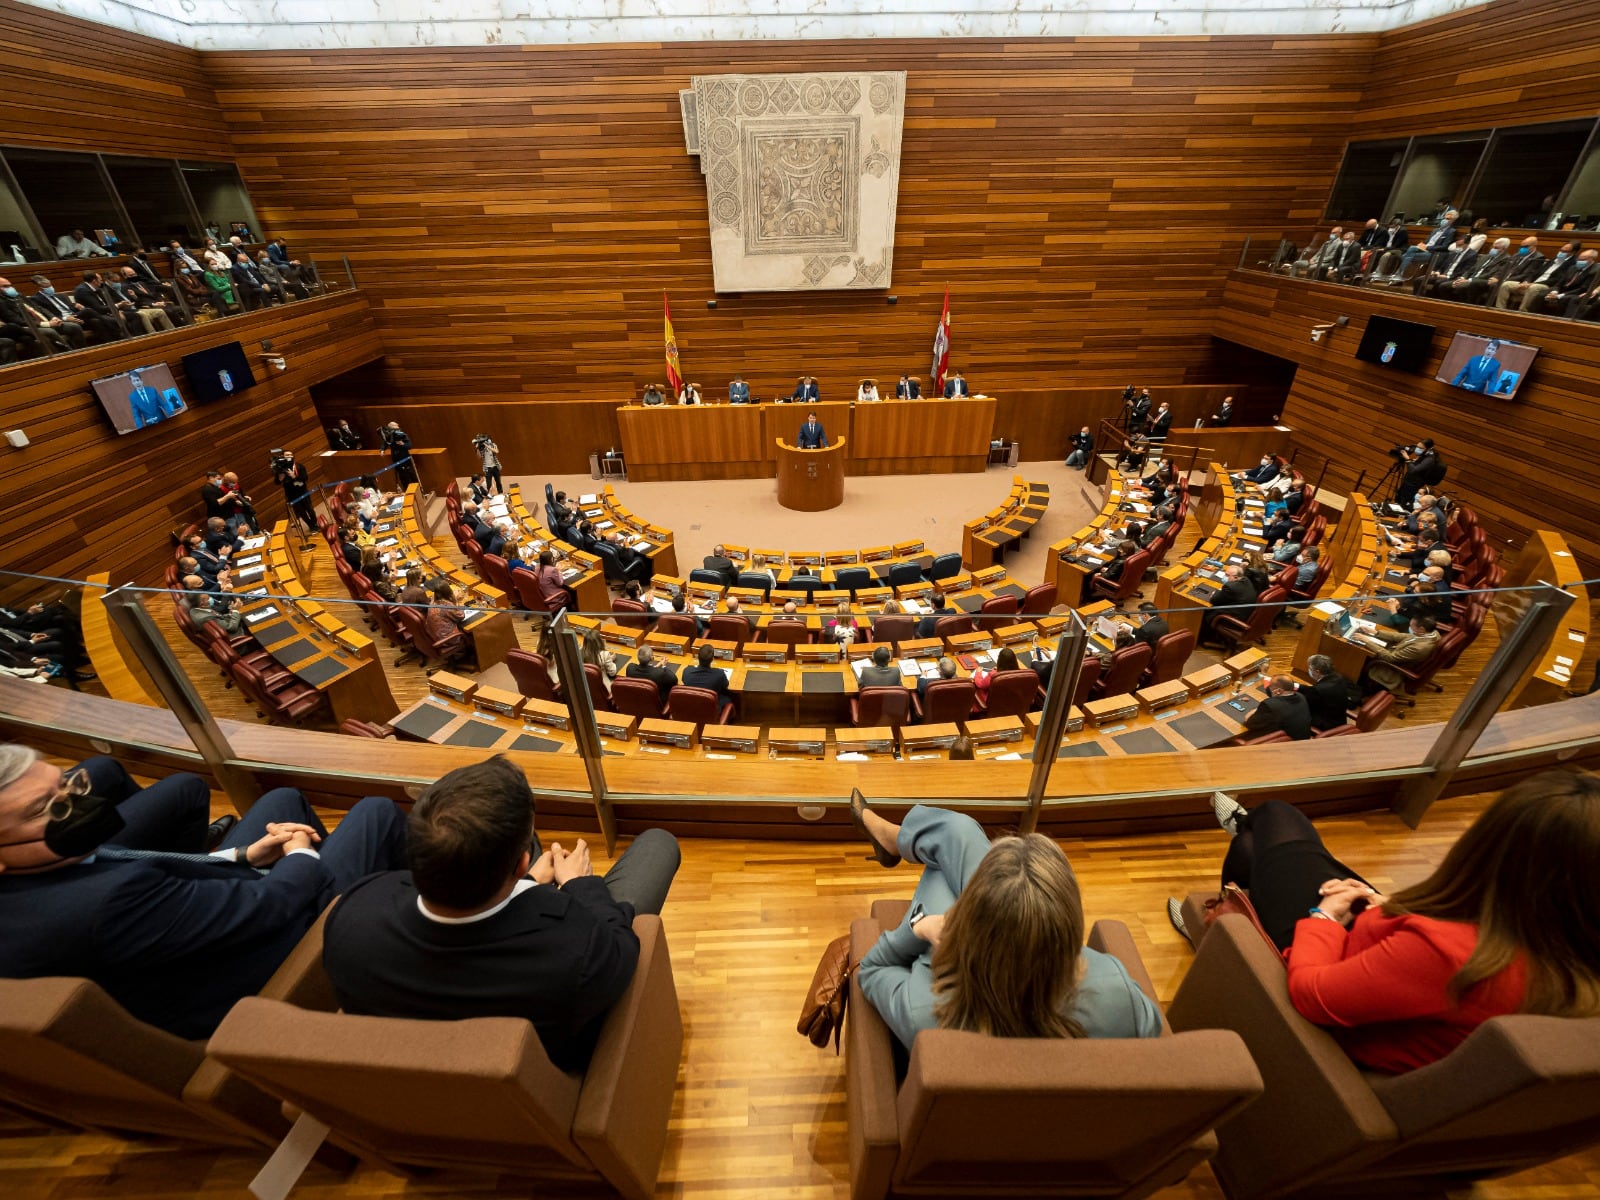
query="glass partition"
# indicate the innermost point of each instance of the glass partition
(20, 239)
(1438, 171)
(1525, 171)
(155, 200)
(221, 200)
(1581, 208)
(70, 195)
(1365, 180)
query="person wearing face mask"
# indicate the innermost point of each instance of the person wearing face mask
(1457, 264)
(1572, 290)
(1387, 248)
(182, 258)
(1524, 265)
(19, 324)
(1264, 473)
(103, 882)
(272, 277)
(197, 293)
(57, 312)
(1552, 272)
(144, 303)
(1423, 466)
(216, 258)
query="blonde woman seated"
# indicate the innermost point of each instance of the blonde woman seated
(842, 627)
(993, 941)
(867, 392)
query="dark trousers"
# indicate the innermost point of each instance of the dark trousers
(171, 814)
(642, 876)
(370, 838)
(491, 476)
(404, 472)
(1278, 857)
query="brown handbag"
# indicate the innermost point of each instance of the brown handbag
(1234, 899)
(822, 1014)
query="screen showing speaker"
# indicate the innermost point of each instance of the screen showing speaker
(138, 398)
(219, 372)
(1492, 366)
(1403, 345)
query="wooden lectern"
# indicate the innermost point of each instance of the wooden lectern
(810, 480)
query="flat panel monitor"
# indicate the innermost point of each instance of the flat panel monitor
(138, 398)
(1492, 366)
(219, 372)
(1403, 345)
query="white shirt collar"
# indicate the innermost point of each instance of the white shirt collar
(521, 886)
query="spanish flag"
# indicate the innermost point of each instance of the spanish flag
(674, 368)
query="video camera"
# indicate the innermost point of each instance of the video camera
(479, 439)
(388, 435)
(282, 460)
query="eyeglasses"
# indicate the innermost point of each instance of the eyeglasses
(74, 786)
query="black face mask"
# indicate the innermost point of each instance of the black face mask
(93, 821)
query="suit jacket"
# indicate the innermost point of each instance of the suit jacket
(94, 300)
(246, 273)
(1291, 714)
(1161, 423)
(1152, 531)
(659, 674)
(1459, 265)
(723, 566)
(1478, 374)
(955, 387)
(876, 676)
(713, 679)
(1493, 264)
(1580, 278)
(812, 436)
(352, 554)
(1152, 631)
(278, 254)
(1345, 257)
(1526, 267)
(1405, 649)
(806, 391)
(559, 957)
(1556, 274)
(909, 390)
(175, 943)
(925, 626)
(1329, 701)
(739, 392)
(1441, 238)
(1234, 592)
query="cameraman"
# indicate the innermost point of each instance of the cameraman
(489, 455)
(296, 487)
(405, 472)
(1423, 467)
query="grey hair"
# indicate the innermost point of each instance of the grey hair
(1438, 558)
(1321, 664)
(15, 760)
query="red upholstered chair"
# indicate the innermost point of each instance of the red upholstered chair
(636, 697)
(1261, 739)
(788, 633)
(389, 623)
(1088, 676)
(531, 673)
(1311, 590)
(698, 705)
(498, 572)
(525, 587)
(1373, 710)
(292, 703)
(876, 706)
(633, 613)
(946, 700)
(1443, 657)
(951, 626)
(598, 696)
(433, 653)
(1171, 654)
(1127, 665)
(366, 729)
(1121, 589)
(1012, 693)
(1345, 730)
(1230, 631)
(1040, 598)
(728, 627)
(678, 625)
(895, 627)
(998, 611)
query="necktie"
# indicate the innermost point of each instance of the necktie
(129, 854)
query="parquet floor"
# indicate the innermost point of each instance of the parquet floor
(760, 1113)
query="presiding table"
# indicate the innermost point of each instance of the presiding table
(810, 480)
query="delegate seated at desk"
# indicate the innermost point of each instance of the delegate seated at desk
(907, 389)
(652, 395)
(738, 391)
(805, 388)
(955, 386)
(812, 436)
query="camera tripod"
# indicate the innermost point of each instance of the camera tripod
(1392, 479)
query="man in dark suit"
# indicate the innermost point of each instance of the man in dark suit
(940, 610)
(1571, 291)
(1480, 372)
(399, 443)
(147, 302)
(1235, 593)
(1223, 417)
(18, 323)
(1526, 264)
(704, 675)
(1160, 423)
(1386, 247)
(1342, 261)
(1457, 263)
(1160, 522)
(955, 386)
(907, 389)
(94, 309)
(1472, 286)
(486, 923)
(812, 435)
(1425, 468)
(805, 388)
(1138, 411)
(249, 283)
(1551, 273)
(1153, 628)
(719, 562)
(1397, 263)
(646, 667)
(880, 672)
(100, 882)
(738, 391)
(1284, 709)
(1328, 695)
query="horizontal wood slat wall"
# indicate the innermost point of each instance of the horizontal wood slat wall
(516, 212)
(83, 499)
(1524, 464)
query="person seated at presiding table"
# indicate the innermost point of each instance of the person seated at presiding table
(104, 880)
(652, 394)
(704, 674)
(812, 436)
(907, 389)
(868, 391)
(645, 666)
(738, 391)
(805, 388)
(1505, 924)
(993, 942)
(485, 922)
(690, 394)
(1329, 694)
(955, 386)
(880, 672)
(1283, 709)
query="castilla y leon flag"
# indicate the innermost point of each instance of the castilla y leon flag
(941, 347)
(674, 368)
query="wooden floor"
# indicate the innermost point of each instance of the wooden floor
(759, 1111)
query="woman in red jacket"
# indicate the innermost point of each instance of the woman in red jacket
(1509, 922)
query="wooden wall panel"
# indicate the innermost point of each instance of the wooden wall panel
(1524, 464)
(82, 499)
(516, 212)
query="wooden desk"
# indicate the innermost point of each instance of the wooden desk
(1071, 577)
(1361, 564)
(985, 539)
(589, 585)
(1545, 559)
(810, 480)
(434, 471)
(120, 672)
(897, 437)
(610, 515)
(696, 441)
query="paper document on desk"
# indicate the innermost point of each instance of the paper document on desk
(270, 610)
(851, 756)
(470, 614)
(251, 561)
(604, 525)
(930, 669)
(570, 574)
(253, 543)
(660, 605)
(588, 498)
(859, 665)
(916, 607)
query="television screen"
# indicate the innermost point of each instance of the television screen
(218, 372)
(140, 397)
(1403, 345)
(1492, 366)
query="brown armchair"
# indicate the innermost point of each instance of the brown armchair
(478, 1094)
(1521, 1090)
(981, 1116)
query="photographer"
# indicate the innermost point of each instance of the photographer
(489, 455)
(1423, 467)
(296, 487)
(399, 445)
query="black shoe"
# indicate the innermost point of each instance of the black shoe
(218, 830)
(858, 806)
(82, 676)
